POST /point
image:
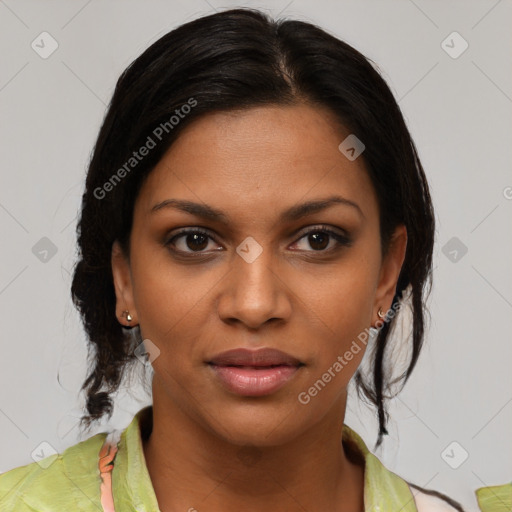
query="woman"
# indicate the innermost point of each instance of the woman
(255, 216)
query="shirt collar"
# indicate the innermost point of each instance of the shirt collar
(383, 489)
(495, 498)
(132, 486)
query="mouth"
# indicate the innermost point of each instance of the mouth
(254, 373)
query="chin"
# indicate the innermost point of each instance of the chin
(256, 425)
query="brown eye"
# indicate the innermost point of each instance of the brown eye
(318, 241)
(191, 241)
(196, 241)
(319, 238)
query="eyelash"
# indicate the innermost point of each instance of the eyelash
(342, 240)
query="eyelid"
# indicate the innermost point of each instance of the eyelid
(326, 228)
(187, 231)
(342, 237)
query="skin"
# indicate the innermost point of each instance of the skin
(211, 449)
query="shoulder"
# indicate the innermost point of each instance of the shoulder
(67, 479)
(385, 488)
(494, 497)
(433, 501)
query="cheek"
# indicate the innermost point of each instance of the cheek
(343, 301)
(164, 291)
(175, 311)
(341, 345)
(344, 297)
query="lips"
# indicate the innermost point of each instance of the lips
(262, 358)
(254, 373)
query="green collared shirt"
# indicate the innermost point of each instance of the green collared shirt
(71, 481)
(495, 498)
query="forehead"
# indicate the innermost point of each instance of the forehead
(260, 158)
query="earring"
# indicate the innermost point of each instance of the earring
(126, 314)
(381, 314)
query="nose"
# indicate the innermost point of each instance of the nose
(253, 293)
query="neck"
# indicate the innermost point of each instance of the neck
(192, 467)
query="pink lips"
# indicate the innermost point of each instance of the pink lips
(254, 373)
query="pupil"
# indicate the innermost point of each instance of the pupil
(195, 245)
(316, 237)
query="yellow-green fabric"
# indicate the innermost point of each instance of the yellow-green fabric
(495, 498)
(71, 481)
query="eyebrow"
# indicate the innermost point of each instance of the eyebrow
(294, 213)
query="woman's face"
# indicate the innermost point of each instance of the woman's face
(255, 278)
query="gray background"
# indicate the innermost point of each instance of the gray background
(459, 113)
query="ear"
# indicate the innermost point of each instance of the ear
(390, 271)
(122, 277)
